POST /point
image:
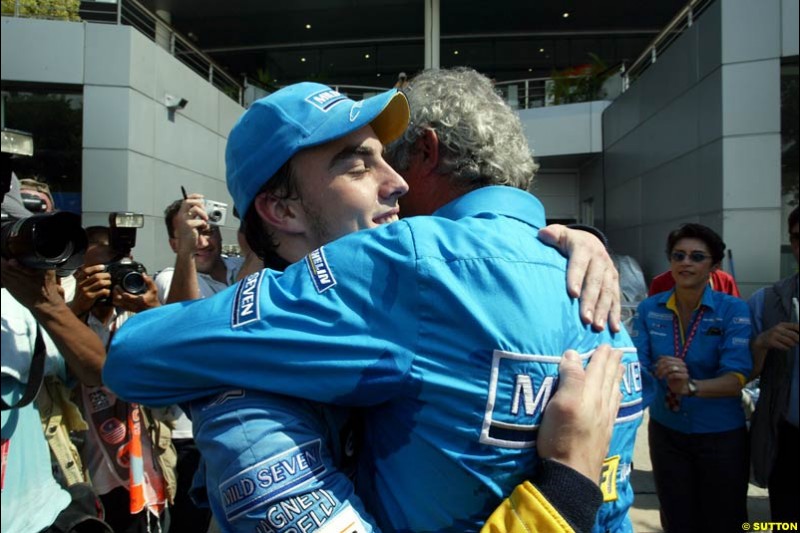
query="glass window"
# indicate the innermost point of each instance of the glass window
(54, 116)
(790, 189)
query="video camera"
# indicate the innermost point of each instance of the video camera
(44, 241)
(125, 272)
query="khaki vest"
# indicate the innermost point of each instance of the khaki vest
(60, 417)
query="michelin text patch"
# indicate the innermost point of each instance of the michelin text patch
(320, 272)
(520, 386)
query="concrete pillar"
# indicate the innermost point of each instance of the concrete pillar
(163, 33)
(432, 36)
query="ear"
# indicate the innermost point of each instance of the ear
(173, 243)
(284, 215)
(428, 149)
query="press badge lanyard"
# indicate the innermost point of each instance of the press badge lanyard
(681, 353)
(673, 400)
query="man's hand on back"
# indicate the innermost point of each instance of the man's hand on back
(591, 274)
(579, 419)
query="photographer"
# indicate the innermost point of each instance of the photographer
(103, 304)
(94, 282)
(40, 337)
(200, 269)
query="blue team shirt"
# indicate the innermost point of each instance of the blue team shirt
(720, 346)
(450, 326)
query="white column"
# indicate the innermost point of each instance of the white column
(432, 36)
(163, 34)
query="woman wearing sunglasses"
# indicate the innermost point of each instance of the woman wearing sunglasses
(693, 345)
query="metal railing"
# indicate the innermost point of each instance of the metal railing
(526, 94)
(681, 22)
(134, 14)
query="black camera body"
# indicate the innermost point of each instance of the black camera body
(127, 274)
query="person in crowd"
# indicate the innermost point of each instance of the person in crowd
(200, 268)
(128, 453)
(719, 280)
(37, 194)
(41, 337)
(370, 300)
(693, 347)
(774, 426)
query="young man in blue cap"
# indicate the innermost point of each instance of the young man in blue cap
(405, 312)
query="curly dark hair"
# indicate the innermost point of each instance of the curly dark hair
(700, 232)
(283, 185)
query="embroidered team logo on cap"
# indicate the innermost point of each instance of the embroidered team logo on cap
(324, 100)
(320, 272)
(356, 110)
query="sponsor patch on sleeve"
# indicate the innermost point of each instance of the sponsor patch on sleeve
(320, 271)
(246, 308)
(272, 478)
(608, 478)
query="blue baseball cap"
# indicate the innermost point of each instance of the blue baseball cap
(276, 127)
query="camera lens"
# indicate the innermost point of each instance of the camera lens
(215, 216)
(133, 283)
(45, 241)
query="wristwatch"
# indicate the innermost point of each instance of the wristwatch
(692, 386)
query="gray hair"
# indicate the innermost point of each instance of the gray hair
(481, 141)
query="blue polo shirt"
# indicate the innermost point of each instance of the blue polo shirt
(450, 327)
(720, 346)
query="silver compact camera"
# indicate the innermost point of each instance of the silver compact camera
(217, 212)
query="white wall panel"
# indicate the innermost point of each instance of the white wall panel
(750, 30)
(752, 170)
(53, 51)
(790, 19)
(751, 97)
(107, 55)
(105, 177)
(106, 117)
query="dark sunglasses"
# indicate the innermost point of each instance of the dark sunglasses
(694, 257)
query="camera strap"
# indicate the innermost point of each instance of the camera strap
(35, 377)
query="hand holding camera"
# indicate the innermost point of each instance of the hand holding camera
(190, 222)
(196, 217)
(92, 284)
(137, 303)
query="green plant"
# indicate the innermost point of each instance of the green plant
(51, 9)
(580, 84)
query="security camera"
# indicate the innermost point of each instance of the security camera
(174, 102)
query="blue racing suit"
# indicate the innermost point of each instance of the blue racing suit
(272, 463)
(450, 327)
